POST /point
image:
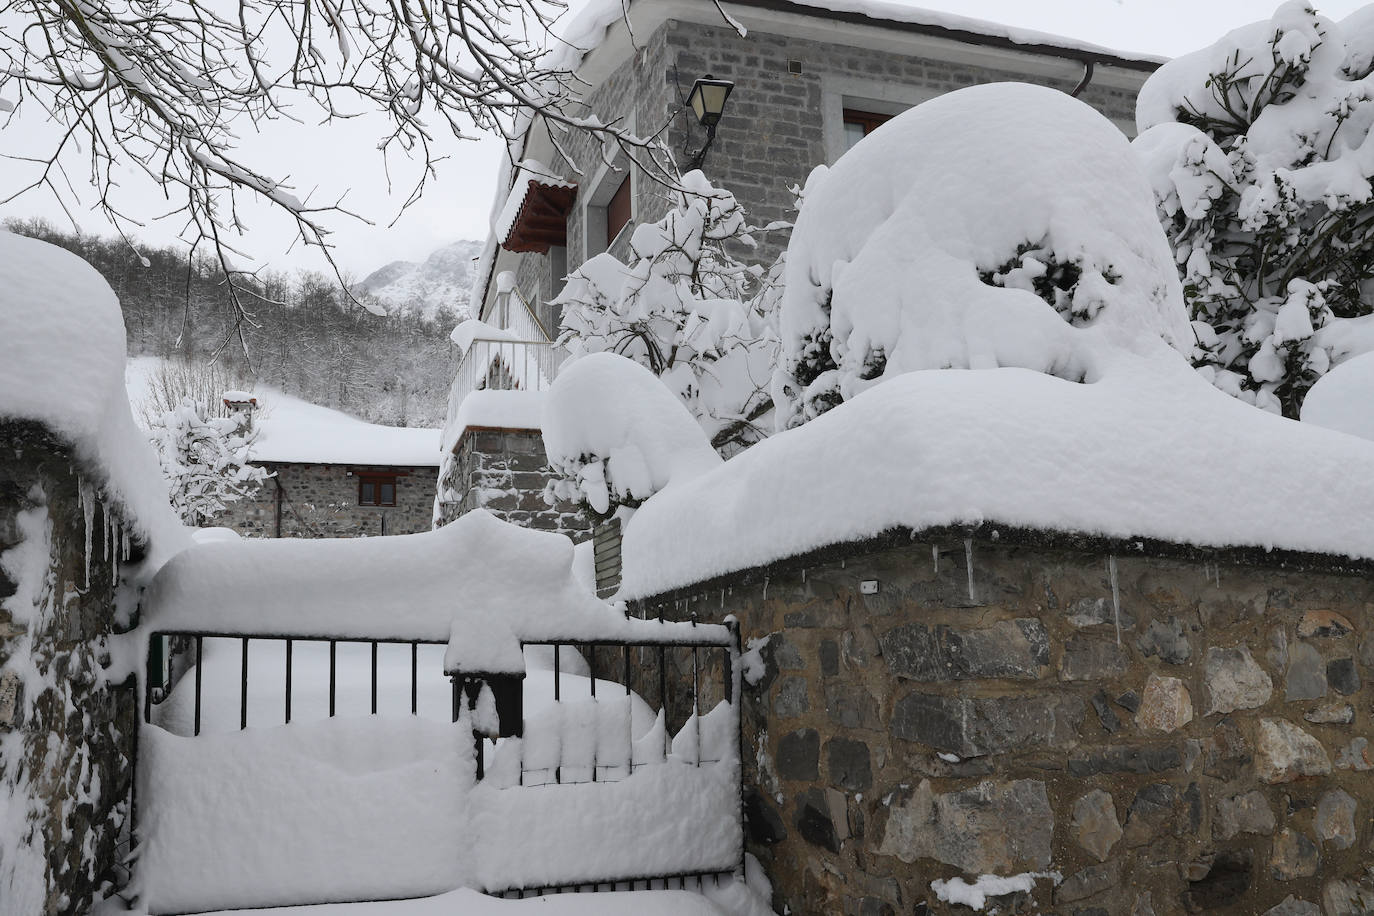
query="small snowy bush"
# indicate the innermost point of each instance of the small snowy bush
(205, 461)
(999, 225)
(615, 435)
(1259, 150)
(686, 309)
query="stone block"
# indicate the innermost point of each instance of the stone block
(1294, 856)
(1336, 713)
(1246, 813)
(1284, 753)
(1165, 705)
(1095, 825)
(791, 700)
(1090, 612)
(1355, 756)
(1306, 677)
(994, 828)
(851, 706)
(1235, 680)
(799, 755)
(1125, 758)
(814, 821)
(1324, 623)
(1109, 719)
(849, 764)
(1335, 820)
(1292, 906)
(1154, 812)
(1342, 676)
(1088, 658)
(1091, 881)
(972, 727)
(1017, 649)
(1166, 639)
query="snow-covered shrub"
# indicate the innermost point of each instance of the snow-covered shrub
(999, 225)
(1259, 150)
(686, 309)
(615, 435)
(205, 461)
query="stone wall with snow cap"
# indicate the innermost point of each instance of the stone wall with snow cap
(998, 225)
(1053, 724)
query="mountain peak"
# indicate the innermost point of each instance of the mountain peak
(442, 280)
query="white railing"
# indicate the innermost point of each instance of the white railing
(526, 361)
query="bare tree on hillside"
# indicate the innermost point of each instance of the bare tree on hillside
(168, 87)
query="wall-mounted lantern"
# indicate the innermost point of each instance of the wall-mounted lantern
(707, 101)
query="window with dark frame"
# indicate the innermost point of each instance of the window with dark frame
(859, 124)
(376, 489)
(618, 211)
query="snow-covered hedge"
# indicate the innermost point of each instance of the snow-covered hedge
(1260, 154)
(999, 225)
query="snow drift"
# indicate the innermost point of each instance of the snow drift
(1004, 225)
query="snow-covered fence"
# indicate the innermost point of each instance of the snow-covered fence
(515, 354)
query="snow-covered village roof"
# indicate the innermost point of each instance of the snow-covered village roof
(62, 364)
(292, 430)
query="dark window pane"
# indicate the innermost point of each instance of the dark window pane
(388, 494)
(618, 211)
(367, 493)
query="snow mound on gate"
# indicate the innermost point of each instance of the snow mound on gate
(615, 429)
(413, 586)
(1136, 454)
(62, 365)
(1343, 399)
(924, 245)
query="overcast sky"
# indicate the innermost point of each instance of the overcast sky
(342, 159)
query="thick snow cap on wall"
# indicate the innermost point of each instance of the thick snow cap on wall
(62, 364)
(1151, 450)
(617, 427)
(1343, 399)
(929, 245)
(414, 586)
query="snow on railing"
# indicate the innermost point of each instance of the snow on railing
(526, 361)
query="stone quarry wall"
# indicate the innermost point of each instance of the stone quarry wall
(321, 501)
(1167, 732)
(66, 732)
(504, 471)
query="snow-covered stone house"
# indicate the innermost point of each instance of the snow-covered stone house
(810, 79)
(1044, 621)
(334, 475)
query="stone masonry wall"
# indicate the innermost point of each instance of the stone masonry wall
(1166, 732)
(321, 501)
(66, 734)
(504, 471)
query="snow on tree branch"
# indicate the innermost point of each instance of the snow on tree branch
(1261, 156)
(170, 88)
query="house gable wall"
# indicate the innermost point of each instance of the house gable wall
(321, 500)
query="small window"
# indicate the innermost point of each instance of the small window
(618, 211)
(859, 124)
(377, 490)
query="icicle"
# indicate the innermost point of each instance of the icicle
(803, 575)
(722, 597)
(935, 557)
(765, 588)
(968, 561)
(1116, 596)
(85, 497)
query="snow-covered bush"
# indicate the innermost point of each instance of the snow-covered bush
(686, 309)
(1259, 150)
(999, 225)
(615, 435)
(205, 461)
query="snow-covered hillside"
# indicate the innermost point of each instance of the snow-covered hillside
(441, 280)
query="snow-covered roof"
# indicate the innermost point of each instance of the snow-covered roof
(62, 364)
(460, 578)
(1151, 450)
(292, 430)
